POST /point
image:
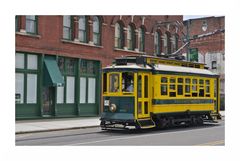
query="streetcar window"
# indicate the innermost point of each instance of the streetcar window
(114, 82)
(105, 82)
(207, 82)
(194, 88)
(180, 89)
(127, 81)
(146, 86)
(164, 89)
(164, 86)
(187, 87)
(139, 86)
(180, 86)
(201, 92)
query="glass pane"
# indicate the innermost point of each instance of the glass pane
(32, 62)
(19, 87)
(70, 66)
(83, 67)
(91, 90)
(114, 82)
(60, 94)
(66, 33)
(82, 35)
(82, 22)
(180, 90)
(19, 61)
(32, 88)
(95, 24)
(180, 80)
(67, 21)
(70, 89)
(82, 90)
(30, 26)
(146, 86)
(61, 64)
(164, 89)
(139, 86)
(164, 80)
(30, 17)
(90, 67)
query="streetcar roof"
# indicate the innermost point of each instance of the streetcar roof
(162, 68)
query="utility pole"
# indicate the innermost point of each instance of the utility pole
(188, 40)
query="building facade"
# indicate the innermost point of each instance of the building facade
(58, 59)
(207, 45)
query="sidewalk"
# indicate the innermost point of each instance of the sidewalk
(28, 126)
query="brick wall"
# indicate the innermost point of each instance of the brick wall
(50, 30)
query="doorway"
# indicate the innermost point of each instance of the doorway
(48, 101)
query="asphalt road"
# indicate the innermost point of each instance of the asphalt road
(205, 135)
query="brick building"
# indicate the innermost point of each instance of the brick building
(207, 38)
(58, 59)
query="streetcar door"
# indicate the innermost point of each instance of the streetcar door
(143, 95)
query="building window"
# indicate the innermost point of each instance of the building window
(118, 36)
(174, 44)
(141, 37)
(17, 23)
(157, 41)
(19, 87)
(96, 31)
(82, 29)
(167, 43)
(130, 38)
(67, 27)
(214, 64)
(31, 24)
(83, 89)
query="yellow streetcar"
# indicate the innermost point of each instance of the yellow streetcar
(145, 92)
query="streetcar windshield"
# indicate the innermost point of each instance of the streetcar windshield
(114, 82)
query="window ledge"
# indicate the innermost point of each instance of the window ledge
(130, 51)
(80, 43)
(29, 35)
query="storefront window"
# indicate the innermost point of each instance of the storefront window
(19, 61)
(31, 88)
(70, 89)
(83, 90)
(91, 90)
(19, 87)
(32, 62)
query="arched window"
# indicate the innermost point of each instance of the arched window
(167, 43)
(174, 45)
(130, 38)
(82, 29)
(141, 38)
(118, 36)
(157, 43)
(96, 31)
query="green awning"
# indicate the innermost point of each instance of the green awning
(51, 73)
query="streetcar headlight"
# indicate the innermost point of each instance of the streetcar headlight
(112, 107)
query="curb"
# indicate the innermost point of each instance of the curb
(59, 129)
